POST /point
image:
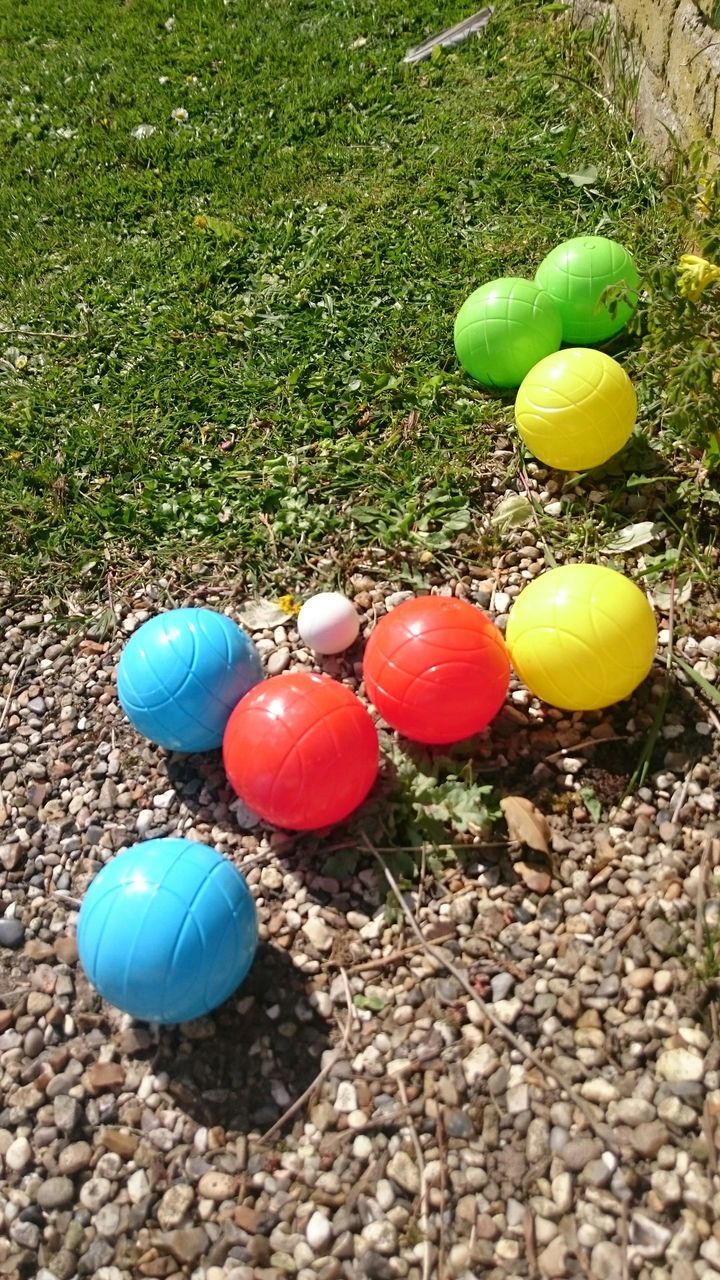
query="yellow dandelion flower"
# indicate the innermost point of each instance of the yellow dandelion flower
(289, 605)
(695, 275)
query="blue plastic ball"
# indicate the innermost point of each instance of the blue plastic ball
(182, 673)
(167, 930)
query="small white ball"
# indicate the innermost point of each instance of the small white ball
(328, 622)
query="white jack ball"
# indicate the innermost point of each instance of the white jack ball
(328, 622)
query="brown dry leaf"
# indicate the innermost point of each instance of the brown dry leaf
(526, 823)
(535, 879)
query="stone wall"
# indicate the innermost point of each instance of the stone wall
(668, 51)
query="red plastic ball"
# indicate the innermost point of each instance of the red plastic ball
(301, 751)
(437, 669)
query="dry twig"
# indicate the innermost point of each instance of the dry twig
(8, 696)
(423, 1218)
(382, 962)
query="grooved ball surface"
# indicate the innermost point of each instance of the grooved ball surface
(167, 930)
(436, 669)
(576, 275)
(180, 675)
(504, 328)
(576, 409)
(582, 637)
(301, 751)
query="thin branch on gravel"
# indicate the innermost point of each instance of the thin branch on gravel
(582, 746)
(3, 715)
(682, 796)
(386, 1120)
(442, 1161)
(322, 1073)
(15, 677)
(423, 1218)
(393, 958)
(530, 1247)
(546, 1069)
(701, 900)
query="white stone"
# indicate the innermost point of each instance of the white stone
(508, 1011)
(357, 1119)
(346, 1099)
(362, 1147)
(165, 799)
(138, 1186)
(318, 1232)
(561, 1189)
(404, 1172)
(381, 1236)
(667, 1186)
(480, 1064)
(18, 1155)
(385, 1195)
(318, 933)
(678, 1065)
(517, 1099)
(598, 1090)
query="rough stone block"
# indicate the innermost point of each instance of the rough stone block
(654, 115)
(650, 22)
(693, 70)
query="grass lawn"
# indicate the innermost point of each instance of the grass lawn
(260, 296)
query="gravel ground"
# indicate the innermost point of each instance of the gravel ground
(433, 1146)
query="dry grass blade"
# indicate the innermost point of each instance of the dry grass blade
(8, 696)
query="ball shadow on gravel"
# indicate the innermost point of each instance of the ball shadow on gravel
(242, 1066)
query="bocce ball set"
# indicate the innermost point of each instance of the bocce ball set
(168, 929)
(575, 407)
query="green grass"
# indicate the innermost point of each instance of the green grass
(287, 386)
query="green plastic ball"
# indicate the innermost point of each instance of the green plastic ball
(504, 328)
(576, 275)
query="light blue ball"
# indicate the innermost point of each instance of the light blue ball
(167, 930)
(182, 673)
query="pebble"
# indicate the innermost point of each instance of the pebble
(402, 1169)
(12, 933)
(318, 933)
(174, 1206)
(18, 1155)
(480, 1064)
(318, 1232)
(382, 1237)
(680, 1065)
(55, 1193)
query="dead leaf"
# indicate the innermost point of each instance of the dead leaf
(526, 823)
(257, 615)
(536, 880)
(633, 535)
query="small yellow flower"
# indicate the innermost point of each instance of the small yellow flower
(289, 605)
(695, 275)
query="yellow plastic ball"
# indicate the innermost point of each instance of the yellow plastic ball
(582, 637)
(575, 409)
